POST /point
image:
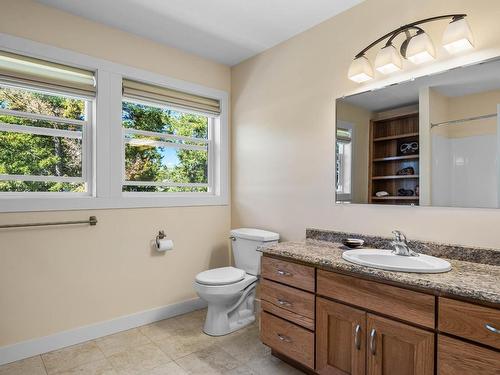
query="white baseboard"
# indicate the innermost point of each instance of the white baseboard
(74, 336)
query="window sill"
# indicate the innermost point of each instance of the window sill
(127, 200)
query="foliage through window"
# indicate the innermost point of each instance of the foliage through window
(43, 141)
(165, 150)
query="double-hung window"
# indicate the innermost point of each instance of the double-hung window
(344, 163)
(45, 126)
(168, 140)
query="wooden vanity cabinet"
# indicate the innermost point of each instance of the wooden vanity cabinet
(350, 341)
(336, 324)
(340, 339)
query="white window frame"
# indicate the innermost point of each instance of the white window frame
(85, 135)
(209, 148)
(107, 139)
(345, 197)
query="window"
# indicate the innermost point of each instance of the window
(44, 127)
(344, 162)
(167, 150)
(98, 136)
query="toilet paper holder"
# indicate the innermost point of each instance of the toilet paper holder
(160, 236)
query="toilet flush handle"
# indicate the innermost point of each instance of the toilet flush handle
(232, 238)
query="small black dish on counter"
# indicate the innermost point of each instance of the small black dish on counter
(353, 243)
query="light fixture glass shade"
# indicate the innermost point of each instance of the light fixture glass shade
(360, 70)
(388, 60)
(458, 36)
(420, 49)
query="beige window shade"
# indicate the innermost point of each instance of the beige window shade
(44, 75)
(169, 97)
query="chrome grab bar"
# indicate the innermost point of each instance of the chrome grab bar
(91, 221)
(357, 337)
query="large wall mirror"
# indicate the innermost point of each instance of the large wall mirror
(433, 141)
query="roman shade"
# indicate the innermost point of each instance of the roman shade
(169, 97)
(39, 74)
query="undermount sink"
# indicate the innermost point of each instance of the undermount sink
(386, 260)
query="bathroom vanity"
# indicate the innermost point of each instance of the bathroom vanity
(328, 316)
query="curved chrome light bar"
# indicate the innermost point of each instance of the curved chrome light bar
(417, 47)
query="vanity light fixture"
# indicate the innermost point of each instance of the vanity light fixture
(417, 47)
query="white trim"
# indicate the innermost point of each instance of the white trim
(37, 130)
(164, 135)
(26, 177)
(161, 183)
(105, 185)
(78, 335)
(153, 143)
(37, 116)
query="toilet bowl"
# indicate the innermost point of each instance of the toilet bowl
(230, 291)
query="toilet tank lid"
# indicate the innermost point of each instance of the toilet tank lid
(255, 234)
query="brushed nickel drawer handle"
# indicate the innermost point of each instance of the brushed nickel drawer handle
(373, 341)
(284, 303)
(357, 337)
(284, 338)
(283, 273)
(490, 328)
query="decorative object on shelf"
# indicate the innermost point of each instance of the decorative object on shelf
(406, 171)
(353, 243)
(407, 148)
(417, 190)
(405, 192)
(417, 47)
(382, 193)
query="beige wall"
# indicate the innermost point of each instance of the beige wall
(55, 279)
(283, 128)
(360, 119)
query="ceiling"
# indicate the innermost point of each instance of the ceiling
(455, 82)
(227, 31)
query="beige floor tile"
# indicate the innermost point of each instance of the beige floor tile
(31, 366)
(270, 365)
(138, 360)
(102, 367)
(245, 346)
(72, 356)
(184, 342)
(121, 341)
(241, 370)
(213, 361)
(171, 368)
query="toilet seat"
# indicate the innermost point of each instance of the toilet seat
(226, 289)
(220, 276)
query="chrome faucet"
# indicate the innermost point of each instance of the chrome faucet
(400, 245)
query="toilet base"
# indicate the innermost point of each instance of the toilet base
(227, 318)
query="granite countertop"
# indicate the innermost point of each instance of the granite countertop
(476, 281)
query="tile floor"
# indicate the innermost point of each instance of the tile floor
(175, 346)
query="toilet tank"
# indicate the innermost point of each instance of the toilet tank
(245, 242)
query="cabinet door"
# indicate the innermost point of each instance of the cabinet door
(398, 349)
(340, 339)
(458, 357)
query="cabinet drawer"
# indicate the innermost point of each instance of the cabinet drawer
(288, 339)
(458, 357)
(400, 303)
(473, 322)
(293, 274)
(290, 303)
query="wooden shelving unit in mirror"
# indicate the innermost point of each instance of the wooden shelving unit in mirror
(394, 159)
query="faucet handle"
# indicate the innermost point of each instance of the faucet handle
(399, 236)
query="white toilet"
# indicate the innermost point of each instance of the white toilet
(230, 291)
